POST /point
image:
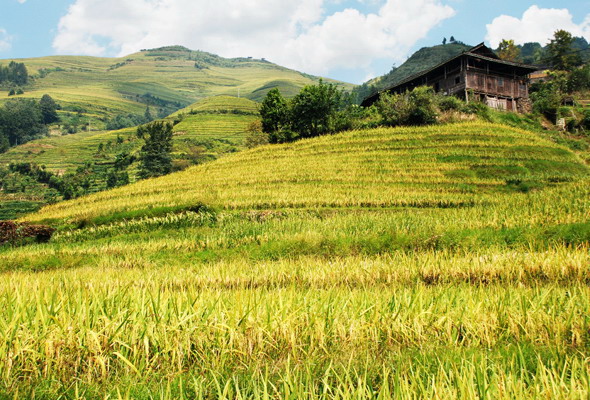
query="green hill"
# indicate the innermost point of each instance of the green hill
(216, 121)
(203, 131)
(423, 59)
(167, 79)
(437, 262)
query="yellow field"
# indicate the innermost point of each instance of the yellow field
(443, 166)
(411, 263)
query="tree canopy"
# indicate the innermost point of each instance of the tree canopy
(155, 156)
(314, 111)
(21, 120)
(15, 73)
(561, 51)
(314, 108)
(508, 51)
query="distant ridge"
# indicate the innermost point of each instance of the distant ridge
(92, 90)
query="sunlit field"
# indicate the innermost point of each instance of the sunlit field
(440, 262)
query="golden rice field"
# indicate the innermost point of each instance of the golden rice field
(443, 166)
(418, 263)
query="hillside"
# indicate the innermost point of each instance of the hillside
(443, 166)
(95, 89)
(219, 122)
(423, 59)
(204, 131)
(388, 263)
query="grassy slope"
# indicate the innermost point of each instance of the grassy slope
(70, 151)
(101, 91)
(397, 263)
(442, 166)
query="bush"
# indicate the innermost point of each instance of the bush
(449, 103)
(479, 109)
(255, 137)
(418, 107)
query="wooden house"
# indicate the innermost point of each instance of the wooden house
(477, 74)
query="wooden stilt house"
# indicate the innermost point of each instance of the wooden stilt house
(477, 74)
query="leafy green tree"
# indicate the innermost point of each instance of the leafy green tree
(561, 52)
(274, 113)
(21, 120)
(155, 156)
(15, 73)
(313, 110)
(148, 115)
(49, 109)
(508, 51)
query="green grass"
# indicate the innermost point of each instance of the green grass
(378, 264)
(222, 121)
(92, 87)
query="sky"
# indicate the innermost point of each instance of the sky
(349, 40)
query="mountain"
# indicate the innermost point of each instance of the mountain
(203, 131)
(92, 90)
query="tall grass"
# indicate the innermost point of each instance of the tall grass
(442, 262)
(138, 329)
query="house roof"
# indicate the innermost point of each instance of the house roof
(481, 51)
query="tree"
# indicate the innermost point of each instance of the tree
(274, 112)
(21, 120)
(15, 73)
(48, 109)
(508, 51)
(531, 52)
(155, 156)
(313, 110)
(561, 52)
(444, 41)
(148, 115)
(452, 39)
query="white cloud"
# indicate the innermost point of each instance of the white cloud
(296, 34)
(5, 40)
(536, 25)
(21, 1)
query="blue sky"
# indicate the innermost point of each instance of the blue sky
(350, 40)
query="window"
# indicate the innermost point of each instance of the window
(480, 81)
(457, 80)
(500, 82)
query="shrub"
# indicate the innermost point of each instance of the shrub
(255, 137)
(449, 103)
(417, 107)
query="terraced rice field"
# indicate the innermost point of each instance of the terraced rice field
(220, 118)
(104, 87)
(438, 262)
